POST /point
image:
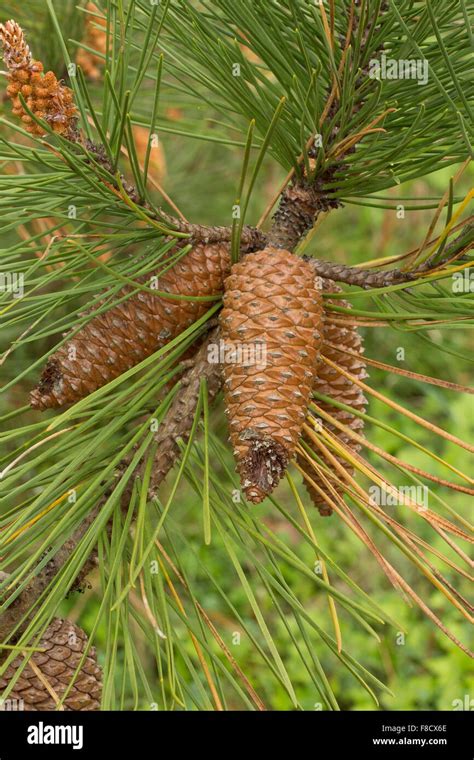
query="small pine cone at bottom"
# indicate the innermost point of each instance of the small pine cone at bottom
(63, 643)
(332, 383)
(120, 338)
(273, 314)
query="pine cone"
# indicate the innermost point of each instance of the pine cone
(272, 301)
(64, 644)
(16, 52)
(126, 334)
(44, 95)
(332, 383)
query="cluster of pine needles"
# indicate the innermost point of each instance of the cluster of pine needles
(96, 470)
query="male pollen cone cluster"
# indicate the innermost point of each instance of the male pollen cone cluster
(44, 95)
(272, 299)
(120, 338)
(332, 383)
(63, 645)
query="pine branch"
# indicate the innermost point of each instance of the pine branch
(59, 112)
(302, 202)
(299, 207)
(340, 62)
(179, 418)
(251, 237)
(21, 608)
(367, 279)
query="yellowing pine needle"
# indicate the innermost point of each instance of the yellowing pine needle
(309, 528)
(437, 213)
(251, 691)
(448, 227)
(197, 646)
(46, 683)
(38, 517)
(32, 448)
(429, 425)
(148, 612)
(408, 502)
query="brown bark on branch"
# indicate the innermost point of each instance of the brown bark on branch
(369, 279)
(251, 238)
(300, 205)
(179, 418)
(23, 605)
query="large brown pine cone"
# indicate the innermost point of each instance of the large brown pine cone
(64, 643)
(273, 306)
(123, 336)
(330, 382)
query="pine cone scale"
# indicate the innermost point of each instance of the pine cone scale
(330, 382)
(64, 644)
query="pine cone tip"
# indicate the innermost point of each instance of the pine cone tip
(263, 466)
(44, 395)
(16, 53)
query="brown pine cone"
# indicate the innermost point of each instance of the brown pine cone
(64, 644)
(332, 383)
(271, 302)
(126, 334)
(47, 98)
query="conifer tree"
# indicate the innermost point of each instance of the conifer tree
(135, 318)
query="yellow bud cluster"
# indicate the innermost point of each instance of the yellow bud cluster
(46, 97)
